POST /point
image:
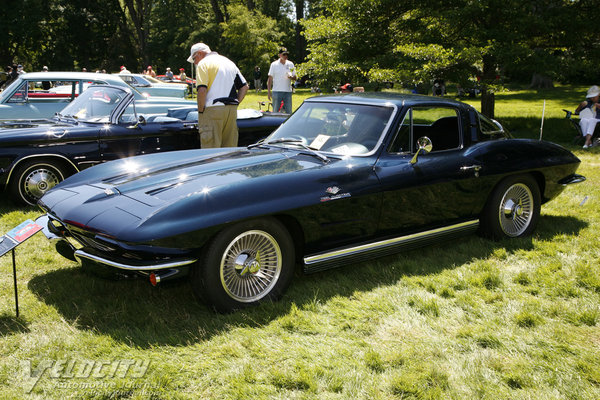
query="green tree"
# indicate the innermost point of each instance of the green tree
(414, 42)
(250, 38)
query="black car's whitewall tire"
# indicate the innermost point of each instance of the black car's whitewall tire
(513, 208)
(245, 264)
(32, 178)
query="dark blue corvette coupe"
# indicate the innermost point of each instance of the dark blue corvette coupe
(104, 123)
(344, 179)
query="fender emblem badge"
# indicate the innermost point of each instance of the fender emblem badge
(334, 194)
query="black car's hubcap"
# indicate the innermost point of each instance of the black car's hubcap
(250, 266)
(516, 210)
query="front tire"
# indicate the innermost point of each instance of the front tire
(245, 264)
(33, 178)
(513, 209)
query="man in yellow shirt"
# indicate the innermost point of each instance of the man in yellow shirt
(221, 87)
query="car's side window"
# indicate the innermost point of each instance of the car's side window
(440, 124)
(45, 92)
(20, 95)
(489, 127)
(401, 143)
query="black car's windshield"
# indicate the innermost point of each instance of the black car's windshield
(95, 104)
(346, 129)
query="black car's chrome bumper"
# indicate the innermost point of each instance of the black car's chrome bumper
(148, 266)
(68, 250)
(573, 178)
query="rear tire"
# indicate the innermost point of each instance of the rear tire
(31, 179)
(245, 264)
(513, 209)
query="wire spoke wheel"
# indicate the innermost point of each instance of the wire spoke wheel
(516, 210)
(512, 209)
(250, 266)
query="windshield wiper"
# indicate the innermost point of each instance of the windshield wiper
(72, 117)
(298, 142)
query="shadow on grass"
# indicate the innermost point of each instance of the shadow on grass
(557, 130)
(565, 94)
(134, 312)
(551, 226)
(10, 324)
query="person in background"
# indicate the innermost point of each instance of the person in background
(221, 88)
(182, 75)
(5, 77)
(20, 70)
(281, 74)
(124, 70)
(46, 85)
(169, 73)
(257, 79)
(347, 88)
(150, 71)
(588, 114)
(14, 73)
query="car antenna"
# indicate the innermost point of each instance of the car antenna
(542, 125)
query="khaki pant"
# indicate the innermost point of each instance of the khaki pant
(218, 127)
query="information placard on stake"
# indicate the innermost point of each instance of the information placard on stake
(12, 239)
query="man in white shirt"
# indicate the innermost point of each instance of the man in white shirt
(221, 87)
(281, 74)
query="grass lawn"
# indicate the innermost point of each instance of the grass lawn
(470, 319)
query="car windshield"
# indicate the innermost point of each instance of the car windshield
(95, 104)
(152, 79)
(346, 129)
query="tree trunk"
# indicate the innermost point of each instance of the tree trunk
(300, 40)
(539, 81)
(219, 16)
(488, 100)
(139, 12)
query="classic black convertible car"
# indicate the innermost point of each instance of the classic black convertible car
(343, 180)
(104, 123)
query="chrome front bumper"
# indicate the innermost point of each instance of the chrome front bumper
(150, 266)
(571, 179)
(67, 250)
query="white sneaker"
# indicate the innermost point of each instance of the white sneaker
(586, 146)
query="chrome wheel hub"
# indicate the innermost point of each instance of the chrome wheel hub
(516, 210)
(246, 264)
(39, 181)
(250, 266)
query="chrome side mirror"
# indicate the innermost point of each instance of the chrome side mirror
(424, 145)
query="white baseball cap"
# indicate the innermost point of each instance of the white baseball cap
(196, 48)
(593, 92)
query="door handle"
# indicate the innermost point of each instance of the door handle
(475, 168)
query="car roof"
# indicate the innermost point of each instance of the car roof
(65, 75)
(386, 98)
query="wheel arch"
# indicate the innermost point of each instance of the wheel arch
(64, 161)
(541, 181)
(295, 230)
(290, 223)
(487, 226)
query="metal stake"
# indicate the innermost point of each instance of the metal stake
(15, 280)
